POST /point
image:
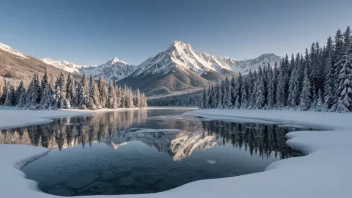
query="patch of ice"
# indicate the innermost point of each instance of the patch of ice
(211, 162)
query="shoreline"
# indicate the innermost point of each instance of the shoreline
(323, 172)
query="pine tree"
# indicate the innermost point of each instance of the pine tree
(93, 96)
(129, 98)
(320, 105)
(244, 92)
(137, 99)
(4, 92)
(344, 80)
(71, 90)
(260, 97)
(219, 96)
(111, 102)
(103, 92)
(305, 99)
(20, 95)
(32, 96)
(9, 101)
(62, 102)
(271, 93)
(83, 87)
(329, 80)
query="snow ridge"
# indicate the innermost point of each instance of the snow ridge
(114, 69)
(181, 55)
(12, 51)
(64, 65)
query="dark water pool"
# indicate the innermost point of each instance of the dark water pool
(134, 152)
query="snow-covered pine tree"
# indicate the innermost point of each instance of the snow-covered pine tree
(329, 76)
(238, 91)
(70, 90)
(228, 101)
(32, 96)
(144, 100)
(293, 93)
(118, 99)
(103, 91)
(45, 91)
(4, 92)
(9, 101)
(130, 98)
(305, 99)
(271, 93)
(18, 92)
(122, 95)
(232, 93)
(225, 91)
(94, 96)
(20, 95)
(111, 96)
(344, 80)
(320, 106)
(137, 99)
(219, 96)
(260, 97)
(280, 92)
(83, 92)
(61, 87)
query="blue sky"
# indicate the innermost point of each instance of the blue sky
(92, 32)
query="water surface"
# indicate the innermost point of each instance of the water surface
(141, 151)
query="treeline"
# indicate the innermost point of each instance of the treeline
(182, 100)
(319, 80)
(66, 93)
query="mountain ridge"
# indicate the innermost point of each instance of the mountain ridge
(177, 68)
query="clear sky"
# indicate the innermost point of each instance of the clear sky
(92, 32)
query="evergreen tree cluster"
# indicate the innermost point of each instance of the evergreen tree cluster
(66, 93)
(319, 80)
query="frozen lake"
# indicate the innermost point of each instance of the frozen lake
(145, 151)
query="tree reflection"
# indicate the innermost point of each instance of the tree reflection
(117, 128)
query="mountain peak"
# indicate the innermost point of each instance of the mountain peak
(179, 45)
(116, 60)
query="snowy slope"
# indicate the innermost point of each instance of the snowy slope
(114, 69)
(181, 55)
(12, 51)
(64, 65)
(244, 66)
(181, 68)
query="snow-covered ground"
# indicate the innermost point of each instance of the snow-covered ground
(325, 172)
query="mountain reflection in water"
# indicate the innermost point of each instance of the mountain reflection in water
(117, 129)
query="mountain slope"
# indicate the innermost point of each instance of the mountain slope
(18, 66)
(244, 66)
(176, 69)
(181, 68)
(64, 65)
(114, 69)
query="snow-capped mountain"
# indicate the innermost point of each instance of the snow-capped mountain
(181, 68)
(180, 55)
(12, 51)
(64, 65)
(114, 69)
(244, 66)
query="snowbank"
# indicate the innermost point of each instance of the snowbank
(324, 173)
